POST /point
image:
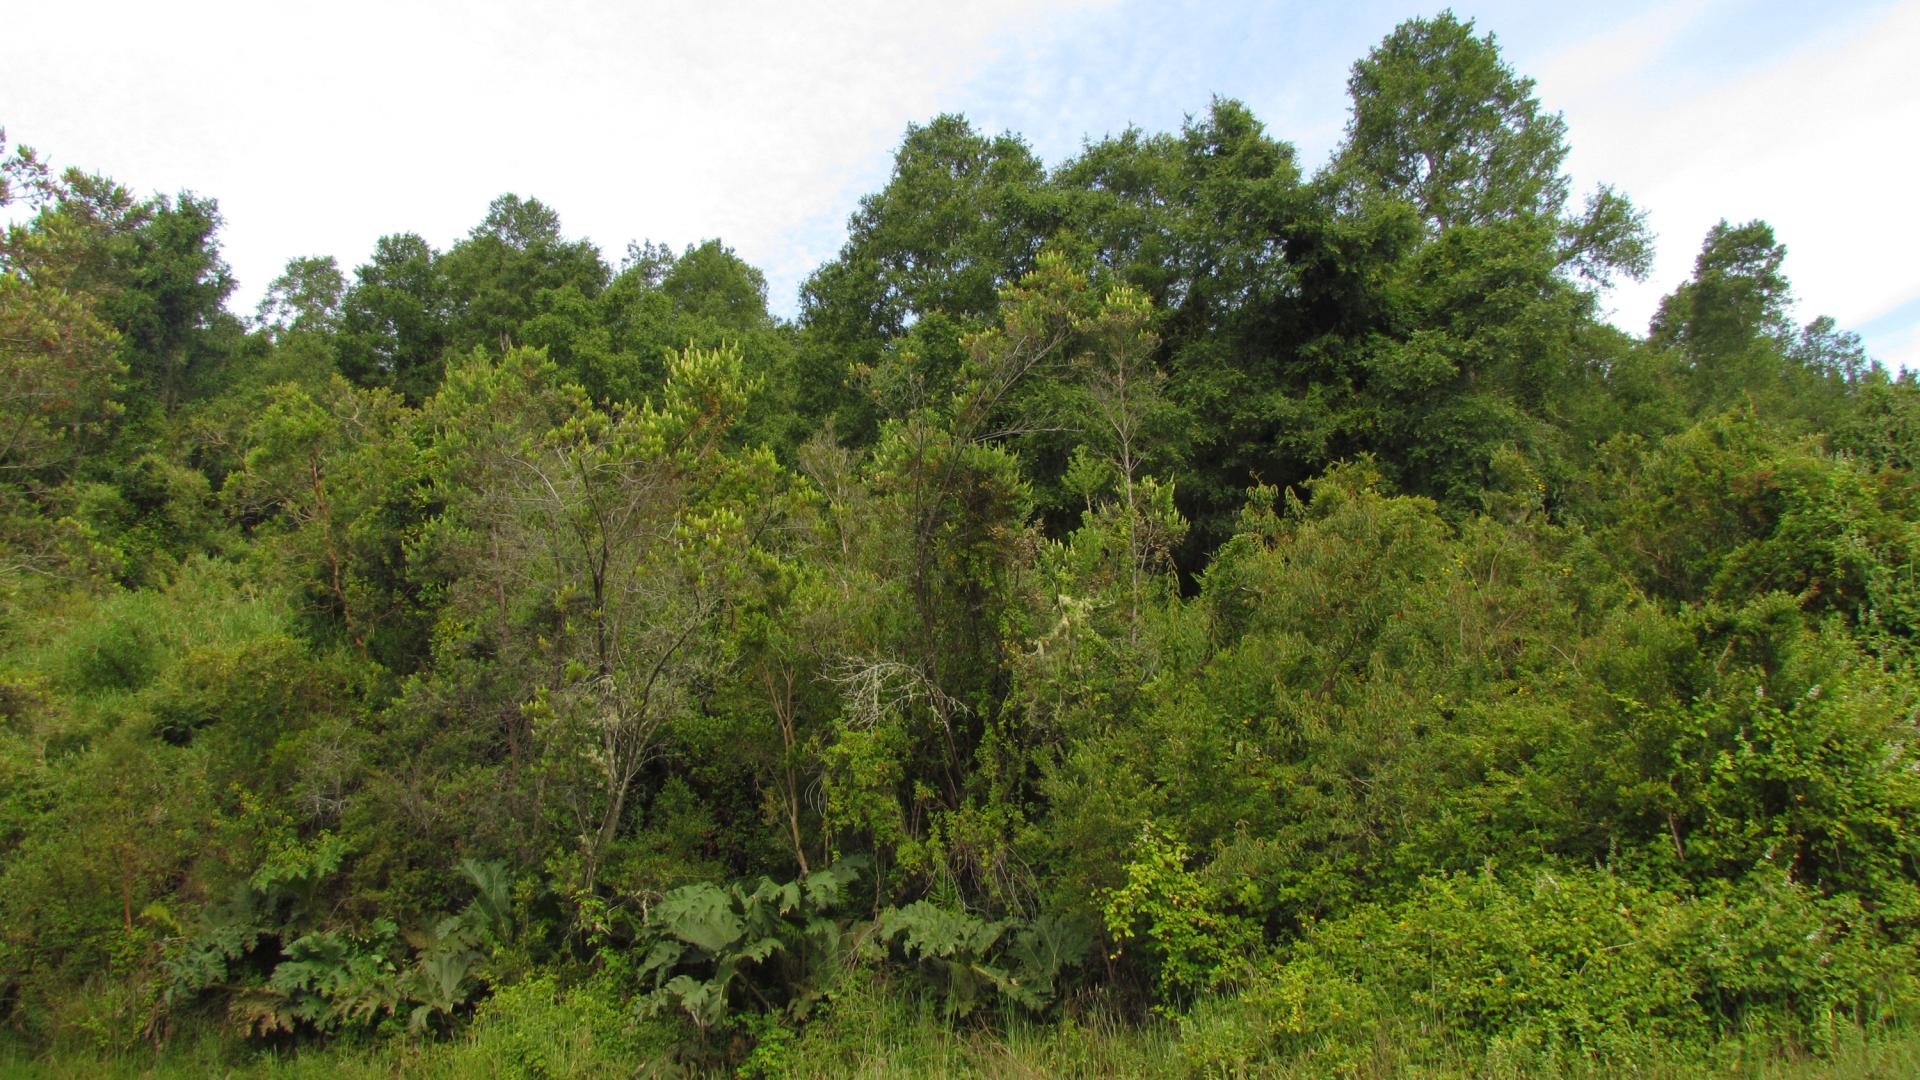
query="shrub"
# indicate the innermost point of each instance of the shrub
(1564, 964)
(1189, 941)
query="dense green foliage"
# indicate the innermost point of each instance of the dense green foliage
(1170, 610)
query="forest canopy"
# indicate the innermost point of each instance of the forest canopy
(1259, 609)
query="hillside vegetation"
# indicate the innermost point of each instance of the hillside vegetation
(1173, 612)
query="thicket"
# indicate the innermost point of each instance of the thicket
(1170, 596)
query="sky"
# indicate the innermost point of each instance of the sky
(320, 128)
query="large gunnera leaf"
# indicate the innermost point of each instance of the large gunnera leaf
(701, 915)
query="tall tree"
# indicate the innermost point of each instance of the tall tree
(304, 298)
(394, 320)
(153, 270)
(606, 563)
(947, 232)
(1730, 322)
(1737, 294)
(173, 287)
(512, 267)
(1441, 121)
(58, 368)
(955, 223)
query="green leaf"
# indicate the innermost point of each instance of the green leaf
(701, 915)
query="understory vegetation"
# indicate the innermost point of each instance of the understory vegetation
(1172, 612)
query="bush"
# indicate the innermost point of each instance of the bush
(116, 651)
(537, 1029)
(1564, 964)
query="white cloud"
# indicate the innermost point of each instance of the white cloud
(1899, 347)
(1819, 144)
(321, 128)
(1604, 66)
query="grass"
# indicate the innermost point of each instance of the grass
(878, 1037)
